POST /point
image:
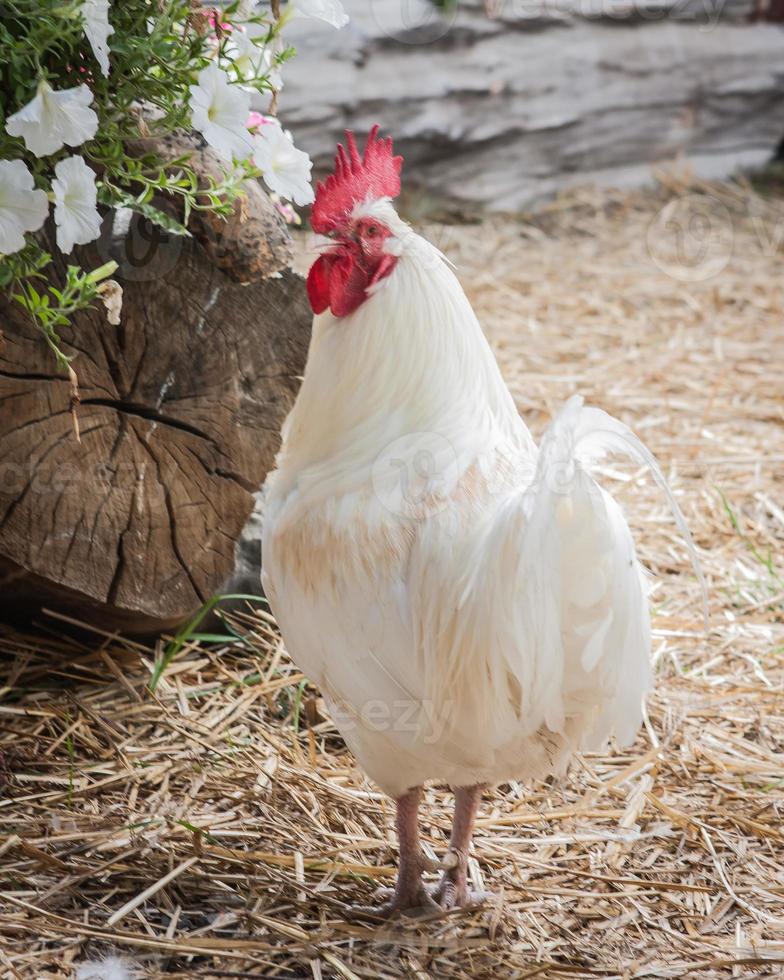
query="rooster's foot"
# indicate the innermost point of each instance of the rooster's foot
(454, 895)
(414, 902)
(452, 892)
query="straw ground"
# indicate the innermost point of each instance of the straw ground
(218, 828)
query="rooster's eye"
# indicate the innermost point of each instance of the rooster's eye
(372, 231)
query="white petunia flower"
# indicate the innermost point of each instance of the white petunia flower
(286, 169)
(52, 119)
(220, 111)
(330, 11)
(272, 70)
(247, 57)
(257, 59)
(22, 208)
(75, 198)
(97, 30)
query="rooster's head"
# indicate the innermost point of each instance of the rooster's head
(362, 252)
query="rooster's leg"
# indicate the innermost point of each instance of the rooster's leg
(452, 891)
(409, 894)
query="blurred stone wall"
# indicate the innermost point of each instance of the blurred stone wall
(505, 103)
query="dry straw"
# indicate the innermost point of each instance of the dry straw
(219, 828)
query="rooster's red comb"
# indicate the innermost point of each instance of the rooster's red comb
(356, 178)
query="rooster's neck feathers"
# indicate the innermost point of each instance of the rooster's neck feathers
(411, 359)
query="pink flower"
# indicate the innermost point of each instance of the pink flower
(290, 216)
(256, 120)
(216, 24)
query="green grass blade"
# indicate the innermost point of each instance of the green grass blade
(189, 632)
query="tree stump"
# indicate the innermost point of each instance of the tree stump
(181, 405)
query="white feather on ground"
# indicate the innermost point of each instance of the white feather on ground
(111, 968)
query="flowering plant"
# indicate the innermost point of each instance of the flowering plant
(87, 82)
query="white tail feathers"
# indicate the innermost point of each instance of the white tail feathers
(547, 627)
(588, 435)
(532, 622)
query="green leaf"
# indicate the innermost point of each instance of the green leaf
(117, 197)
(188, 633)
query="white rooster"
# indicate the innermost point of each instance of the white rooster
(470, 606)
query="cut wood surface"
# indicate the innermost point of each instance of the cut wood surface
(251, 243)
(181, 405)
